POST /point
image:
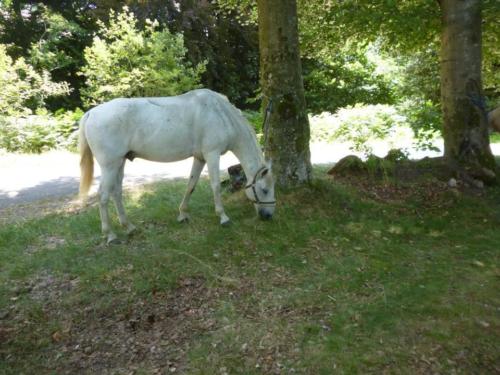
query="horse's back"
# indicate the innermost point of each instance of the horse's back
(161, 128)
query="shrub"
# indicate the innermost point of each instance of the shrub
(126, 62)
(347, 78)
(425, 118)
(361, 125)
(23, 93)
(255, 118)
(40, 132)
(23, 89)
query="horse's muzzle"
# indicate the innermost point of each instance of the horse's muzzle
(265, 214)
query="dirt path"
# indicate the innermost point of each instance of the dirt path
(54, 176)
(29, 178)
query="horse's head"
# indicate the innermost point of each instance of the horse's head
(261, 192)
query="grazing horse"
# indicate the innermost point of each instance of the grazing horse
(494, 120)
(200, 123)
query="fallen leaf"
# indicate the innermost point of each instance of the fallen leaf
(56, 336)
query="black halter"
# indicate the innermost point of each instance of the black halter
(252, 185)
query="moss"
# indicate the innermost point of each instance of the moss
(348, 165)
(288, 107)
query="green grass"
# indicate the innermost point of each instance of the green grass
(495, 138)
(337, 282)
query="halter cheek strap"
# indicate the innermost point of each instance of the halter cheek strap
(252, 185)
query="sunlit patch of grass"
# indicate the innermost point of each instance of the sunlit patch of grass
(337, 281)
(495, 138)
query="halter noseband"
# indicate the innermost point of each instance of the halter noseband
(252, 185)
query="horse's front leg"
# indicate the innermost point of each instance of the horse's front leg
(193, 180)
(213, 172)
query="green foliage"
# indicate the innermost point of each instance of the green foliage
(256, 120)
(344, 79)
(127, 62)
(491, 52)
(133, 57)
(23, 88)
(24, 93)
(409, 31)
(57, 48)
(51, 37)
(361, 126)
(245, 9)
(27, 134)
(495, 138)
(425, 118)
(418, 75)
(405, 26)
(40, 132)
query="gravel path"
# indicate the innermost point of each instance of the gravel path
(29, 178)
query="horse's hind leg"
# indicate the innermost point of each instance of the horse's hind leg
(193, 179)
(213, 171)
(118, 198)
(109, 174)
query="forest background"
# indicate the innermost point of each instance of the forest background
(370, 68)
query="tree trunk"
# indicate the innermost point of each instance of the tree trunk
(466, 141)
(287, 136)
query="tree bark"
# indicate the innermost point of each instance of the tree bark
(287, 136)
(466, 141)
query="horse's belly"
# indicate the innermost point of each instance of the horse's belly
(163, 148)
(163, 156)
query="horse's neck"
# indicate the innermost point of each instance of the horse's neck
(249, 154)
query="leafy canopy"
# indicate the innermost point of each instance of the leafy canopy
(24, 90)
(125, 61)
(57, 48)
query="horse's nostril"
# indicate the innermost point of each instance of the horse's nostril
(265, 215)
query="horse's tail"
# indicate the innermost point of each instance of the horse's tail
(86, 161)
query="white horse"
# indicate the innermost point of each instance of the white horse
(200, 123)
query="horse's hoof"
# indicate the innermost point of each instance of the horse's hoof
(226, 223)
(183, 219)
(113, 240)
(131, 230)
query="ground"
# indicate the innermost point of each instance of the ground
(30, 178)
(370, 273)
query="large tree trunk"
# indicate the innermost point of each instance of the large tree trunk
(287, 138)
(466, 141)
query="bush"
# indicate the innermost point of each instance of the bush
(361, 126)
(23, 93)
(23, 89)
(342, 80)
(255, 118)
(425, 118)
(40, 132)
(127, 62)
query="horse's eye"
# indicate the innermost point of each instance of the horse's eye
(265, 191)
